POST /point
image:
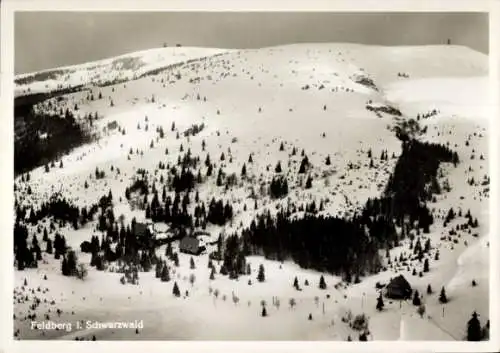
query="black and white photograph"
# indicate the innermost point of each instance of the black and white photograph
(251, 176)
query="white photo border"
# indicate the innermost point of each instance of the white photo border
(9, 7)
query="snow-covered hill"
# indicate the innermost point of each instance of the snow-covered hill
(121, 68)
(335, 101)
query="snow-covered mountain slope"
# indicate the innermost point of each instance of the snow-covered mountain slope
(336, 100)
(102, 72)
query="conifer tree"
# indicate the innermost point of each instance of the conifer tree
(380, 302)
(49, 246)
(474, 328)
(309, 182)
(442, 296)
(416, 298)
(165, 275)
(71, 263)
(322, 283)
(278, 169)
(159, 269)
(175, 290)
(261, 277)
(426, 265)
(64, 267)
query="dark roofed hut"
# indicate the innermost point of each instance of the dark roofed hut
(141, 230)
(143, 235)
(112, 125)
(191, 245)
(398, 288)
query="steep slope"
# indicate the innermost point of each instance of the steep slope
(336, 100)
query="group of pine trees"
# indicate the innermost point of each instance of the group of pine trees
(327, 244)
(31, 151)
(27, 256)
(350, 247)
(278, 187)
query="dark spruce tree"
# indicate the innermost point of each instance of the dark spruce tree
(322, 283)
(165, 275)
(261, 277)
(380, 303)
(175, 291)
(309, 182)
(64, 267)
(426, 265)
(442, 296)
(474, 328)
(416, 298)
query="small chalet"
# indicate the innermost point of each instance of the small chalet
(141, 230)
(144, 234)
(398, 288)
(191, 245)
(112, 125)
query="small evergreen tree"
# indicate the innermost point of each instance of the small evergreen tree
(64, 267)
(380, 302)
(426, 265)
(261, 277)
(71, 263)
(278, 169)
(49, 246)
(474, 328)
(416, 298)
(175, 290)
(429, 289)
(191, 264)
(442, 296)
(165, 275)
(309, 182)
(322, 283)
